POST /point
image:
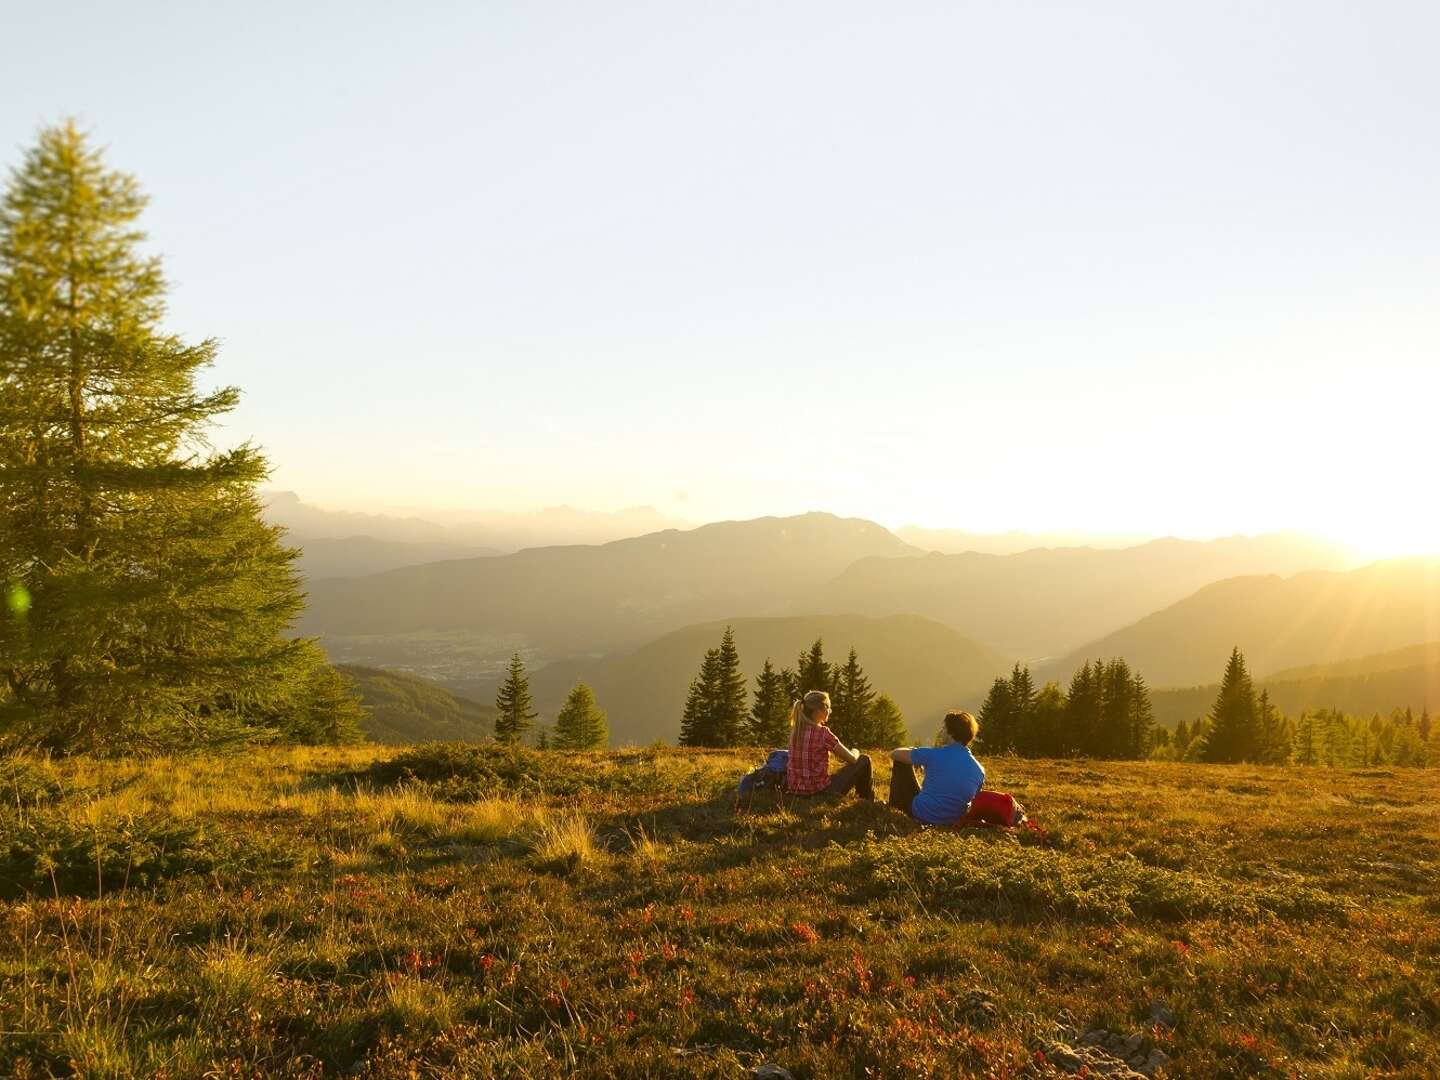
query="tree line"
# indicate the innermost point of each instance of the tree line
(716, 712)
(1244, 726)
(1106, 713)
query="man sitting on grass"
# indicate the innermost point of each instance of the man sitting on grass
(952, 775)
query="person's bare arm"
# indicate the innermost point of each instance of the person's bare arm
(900, 755)
(844, 753)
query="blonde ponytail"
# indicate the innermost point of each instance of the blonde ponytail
(802, 714)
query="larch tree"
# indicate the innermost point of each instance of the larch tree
(514, 707)
(581, 724)
(148, 601)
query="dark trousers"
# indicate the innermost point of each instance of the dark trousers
(903, 786)
(855, 775)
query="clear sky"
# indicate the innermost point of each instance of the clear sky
(1149, 267)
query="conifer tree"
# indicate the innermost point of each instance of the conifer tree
(149, 601)
(1047, 721)
(581, 724)
(1022, 711)
(1233, 735)
(730, 693)
(514, 708)
(997, 735)
(853, 699)
(770, 708)
(1142, 718)
(1305, 740)
(1273, 736)
(1084, 709)
(887, 723)
(1424, 726)
(697, 722)
(812, 671)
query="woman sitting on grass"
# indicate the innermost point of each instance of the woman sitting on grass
(952, 775)
(812, 743)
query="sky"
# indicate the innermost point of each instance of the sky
(1131, 267)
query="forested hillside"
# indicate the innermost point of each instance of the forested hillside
(402, 708)
(1406, 678)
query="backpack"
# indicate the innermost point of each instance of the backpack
(769, 775)
(994, 808)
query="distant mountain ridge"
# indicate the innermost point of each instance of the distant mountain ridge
(1317, 617)
(1046, 601)
(558, 601)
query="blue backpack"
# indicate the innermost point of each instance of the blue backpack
(769, 775)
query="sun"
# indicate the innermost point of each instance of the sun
(1406, 535)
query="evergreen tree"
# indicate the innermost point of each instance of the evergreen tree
(1112, 738)
(581, 724)
(1424, 726)
(1047, 721)
(730, 693)
(791, 682)
(812, 670)
(997, 734)
(1181, 737)
(1084, 710)
(149, 601)
(1305, 740)
(1142, 719)
(853, 699)
(514, 707)
(1273, 738)
(770, 708)
(542, 738)
(697, 722)
(1022, 711)
(887, 723)
(1233, 735)
(715, 706)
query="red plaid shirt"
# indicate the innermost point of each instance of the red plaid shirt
(809, 767)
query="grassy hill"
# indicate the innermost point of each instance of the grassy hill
(1046, 601)
(559, 601)
(405, 708)
(924, 666)
(467, 913)
(1278, 623)
(1365, 686)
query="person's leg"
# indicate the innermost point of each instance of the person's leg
(856, 775)
(903, 786)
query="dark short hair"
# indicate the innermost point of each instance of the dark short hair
(961, 726)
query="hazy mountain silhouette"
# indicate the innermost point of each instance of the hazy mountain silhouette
(1311, 618)
(960, 541)
(1045, 601)
(1402, 678)
(405, 708)
(492, 530)
(924, 666)
(593, 599)
(354, 556)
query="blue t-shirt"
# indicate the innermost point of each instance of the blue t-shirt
(952, 779)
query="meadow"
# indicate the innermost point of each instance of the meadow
(456, 910)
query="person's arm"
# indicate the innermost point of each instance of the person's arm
(844, 753)
(901, 755)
